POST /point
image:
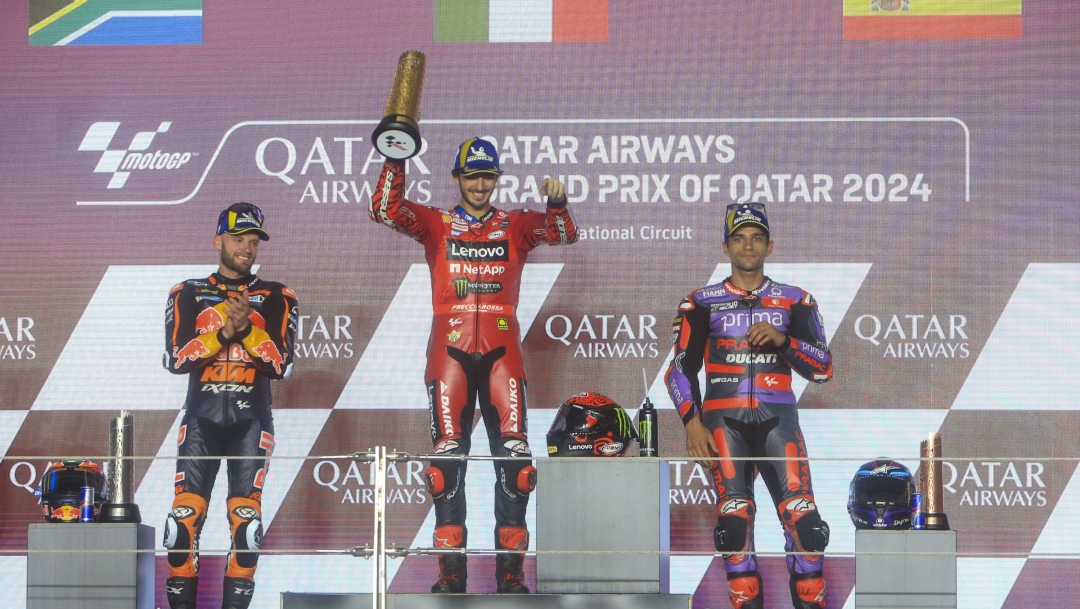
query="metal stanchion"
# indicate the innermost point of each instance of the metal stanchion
(378, 588)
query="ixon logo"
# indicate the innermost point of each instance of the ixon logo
(137, 155)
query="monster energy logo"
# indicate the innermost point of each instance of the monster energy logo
(623, 422)
(645, 430)
(461, 286)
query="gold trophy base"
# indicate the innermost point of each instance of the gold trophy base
(937, 522)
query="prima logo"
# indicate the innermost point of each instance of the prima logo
(136, 156)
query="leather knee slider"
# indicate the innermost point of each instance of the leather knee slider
(245, 518)
(450, 536)
(434, 480)
(443, 476)
(182, 526)
(733, 525)
(520, 474)
(512, 538)
(804, 524)
(526, 481)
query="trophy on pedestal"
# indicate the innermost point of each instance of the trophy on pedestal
(398, 136)
(120, 506)
(931, 484)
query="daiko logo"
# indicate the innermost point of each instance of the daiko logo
(136, 156)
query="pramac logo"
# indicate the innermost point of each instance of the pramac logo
(136, 156)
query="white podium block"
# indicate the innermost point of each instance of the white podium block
(96, 576)
(905, 579)
(607, 505)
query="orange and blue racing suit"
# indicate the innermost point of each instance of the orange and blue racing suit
(749, 408)
(474, 351)
(227, 413)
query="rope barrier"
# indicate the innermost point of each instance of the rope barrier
(422, 457)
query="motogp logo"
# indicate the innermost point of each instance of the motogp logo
(120, 162)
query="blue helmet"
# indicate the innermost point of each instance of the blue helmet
(880, 495)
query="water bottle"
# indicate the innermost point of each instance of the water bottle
(646, 424)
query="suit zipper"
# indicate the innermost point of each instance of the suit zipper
(750, 355)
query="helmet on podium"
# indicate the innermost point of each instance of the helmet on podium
(590, 425)
(880, 495)
(61, 487)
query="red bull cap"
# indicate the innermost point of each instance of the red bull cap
(241, 218)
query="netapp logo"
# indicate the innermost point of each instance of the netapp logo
(492, 251)
(136, 156)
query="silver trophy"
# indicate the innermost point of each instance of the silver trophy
(120, 506)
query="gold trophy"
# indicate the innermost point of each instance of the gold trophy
(398, 136)
(931, 484)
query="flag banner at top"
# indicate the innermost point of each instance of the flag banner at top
(521, 20)
(115, 22)
(932, 19)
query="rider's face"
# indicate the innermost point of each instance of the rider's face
(748, 247)
(476, 189)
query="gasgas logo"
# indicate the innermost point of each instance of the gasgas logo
(138, 155)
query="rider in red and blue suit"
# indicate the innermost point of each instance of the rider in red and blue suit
(750, 333)
(476, 254)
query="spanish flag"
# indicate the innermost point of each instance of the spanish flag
(932, 19)
(521, 20)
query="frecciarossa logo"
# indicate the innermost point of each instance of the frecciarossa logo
(488, 251)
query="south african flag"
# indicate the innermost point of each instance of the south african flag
(115, 22)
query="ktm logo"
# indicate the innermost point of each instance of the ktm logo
(228, 372)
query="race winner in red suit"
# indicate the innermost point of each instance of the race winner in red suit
(751, 332)
(230, 333)
(476, 254)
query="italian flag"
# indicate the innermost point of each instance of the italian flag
(932, 19)
(521, 20)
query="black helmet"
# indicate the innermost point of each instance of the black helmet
(61, 485)
(590, 425)
(880, 495)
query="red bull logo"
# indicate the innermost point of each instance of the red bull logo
(194, 350)
(209, 320)
(66, 513)
(268, 351)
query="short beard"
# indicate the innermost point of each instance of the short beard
(232, 265)
(465, 197)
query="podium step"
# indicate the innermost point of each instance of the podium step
(298, 600)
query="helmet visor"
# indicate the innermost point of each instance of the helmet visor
(69, 481)
(893, 491)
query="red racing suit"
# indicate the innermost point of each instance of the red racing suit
(227, 410)
(750, 410)
(474, 351)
